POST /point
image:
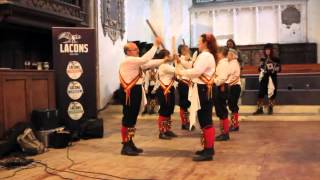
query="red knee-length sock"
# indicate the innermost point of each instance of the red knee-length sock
(168, 124)
(208, 134)
(161, 126)
(225, 123)
(236, 119)
(182, 116)
(124, 134)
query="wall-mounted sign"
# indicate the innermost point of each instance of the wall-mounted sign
(112, 19)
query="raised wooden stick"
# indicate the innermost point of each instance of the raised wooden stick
(173, 45)
(154, 32)
(183, 42)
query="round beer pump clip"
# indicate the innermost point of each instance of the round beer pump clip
(74, 70)
(74, 90)
(75, 110)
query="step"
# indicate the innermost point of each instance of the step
(285, 97)
(281, 113)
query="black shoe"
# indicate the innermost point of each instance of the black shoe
(134, 147)
(170, 134)
(223, 137)
(185, 127)
(144, 112)
(232, 128)
(127, 150)
(162, 135)
(270, 110)
(259, 111)
(193, 128)
(199, 152)
(206, 155)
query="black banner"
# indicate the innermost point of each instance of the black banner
(74, 60)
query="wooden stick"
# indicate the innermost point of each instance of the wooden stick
(183, 42)
(174, 49)
(154, 32)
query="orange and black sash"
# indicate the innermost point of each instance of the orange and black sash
(209, 83)
(128, 86)
(187, 82)
(166, 88)
(234, 82)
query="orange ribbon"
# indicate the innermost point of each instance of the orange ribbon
(209, 83)
(166, 89)
(234, 82)
(187, 82)
(128, 86)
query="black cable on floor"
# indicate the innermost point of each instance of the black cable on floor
(97, 173)
(21, 169)
(46, 167)
(66, 171)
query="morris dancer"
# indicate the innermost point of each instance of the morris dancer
(221, 93)
(183, 86)
(201, 92)
(166, 96)
(132, 91)
(234, 91)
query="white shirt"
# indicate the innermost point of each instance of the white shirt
(148, 80)
(130, 67)
(234, 72)
(204, 64)
(166, 73)
(222, 72)
(184, 64)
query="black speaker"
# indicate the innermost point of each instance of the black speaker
(92, 128)
(59, 139)
(5, 148)
(45, 119)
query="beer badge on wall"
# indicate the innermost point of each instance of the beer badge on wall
(74, 70)
(75, 110)
(74, 90)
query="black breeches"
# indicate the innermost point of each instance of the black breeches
(220, 101)
(149, 94)
(233, 98)
(131, 111)
(183, 90)
(166, 105)
(263, 86)
(205, 113)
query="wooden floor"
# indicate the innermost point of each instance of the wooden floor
(261, 150)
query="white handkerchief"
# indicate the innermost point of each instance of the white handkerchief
(143, 101)
(270, 87)
(193, 97)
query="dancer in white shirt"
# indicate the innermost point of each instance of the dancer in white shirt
(234, 91)
(201, 73)
(166, 97)
(220, 95)
(132, 92)
(183, 86)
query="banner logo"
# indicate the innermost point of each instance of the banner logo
(75, 110)
(70, 44)
(74, 70)
(74, 90)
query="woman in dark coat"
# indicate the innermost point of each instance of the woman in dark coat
(269, 67)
